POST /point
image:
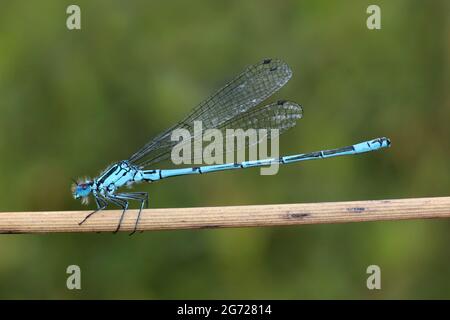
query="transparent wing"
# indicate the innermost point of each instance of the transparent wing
(246, 91)
(281, 115)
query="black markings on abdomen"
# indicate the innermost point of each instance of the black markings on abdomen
(339, 150)
(306, 156)
(197, 169)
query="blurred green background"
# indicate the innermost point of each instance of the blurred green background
(72, 102)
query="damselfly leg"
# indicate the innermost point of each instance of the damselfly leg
(101, 204)
(122, 204)
(121, 200)
(138, 196)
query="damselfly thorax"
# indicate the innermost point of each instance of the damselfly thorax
(116, 176)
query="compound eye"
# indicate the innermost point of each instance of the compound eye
(84, 186)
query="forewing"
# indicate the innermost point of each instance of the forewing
(238, 97)
(281, 115)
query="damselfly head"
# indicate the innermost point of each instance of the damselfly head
(81, 190)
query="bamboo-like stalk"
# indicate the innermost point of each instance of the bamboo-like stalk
(232, 216)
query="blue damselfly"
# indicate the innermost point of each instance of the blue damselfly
(233, 106)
